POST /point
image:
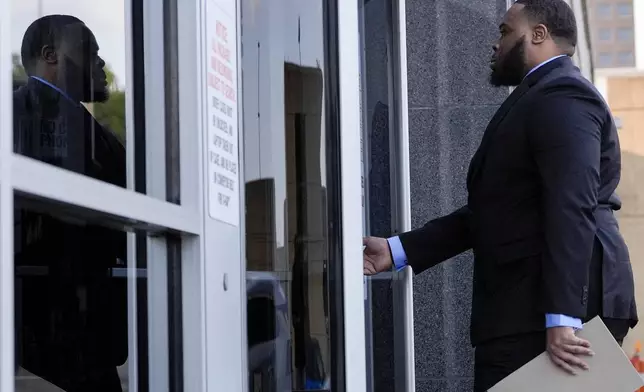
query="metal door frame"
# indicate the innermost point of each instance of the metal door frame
(403, 280)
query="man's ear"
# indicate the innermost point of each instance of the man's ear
(49, 55)
(539, 34)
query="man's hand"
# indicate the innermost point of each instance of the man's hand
(564, 347)
(376, 255)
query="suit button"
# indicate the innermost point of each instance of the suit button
(584, 295)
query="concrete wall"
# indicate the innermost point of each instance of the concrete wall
(449, 43)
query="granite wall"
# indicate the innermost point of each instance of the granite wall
(449, 43)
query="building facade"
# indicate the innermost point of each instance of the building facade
(625, 95)
(613, 32)
(623, 89)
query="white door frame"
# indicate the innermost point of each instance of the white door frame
(6, 206)
(351, 167)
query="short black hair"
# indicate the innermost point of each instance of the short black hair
(558, 18)
(47, 30)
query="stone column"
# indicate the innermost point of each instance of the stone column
(449, 44)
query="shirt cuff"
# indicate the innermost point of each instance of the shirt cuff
(397, 253)
(560, 320)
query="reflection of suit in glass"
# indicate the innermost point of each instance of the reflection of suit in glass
(72, 326)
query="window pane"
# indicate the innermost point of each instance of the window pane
(71, 303)
(604, 11)
(69, 70)
(625, 34)
(70, 84)
(624, 9)
(287, 216)
(626, 59)
(604, 34)
(605, 60)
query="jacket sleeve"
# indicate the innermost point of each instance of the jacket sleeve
(437, 241)
(564, 131)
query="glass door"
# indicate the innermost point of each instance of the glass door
(303, 297)
(385, 152)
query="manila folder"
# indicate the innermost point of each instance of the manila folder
(610, 369)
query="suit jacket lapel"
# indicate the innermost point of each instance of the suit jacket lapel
(477, 161)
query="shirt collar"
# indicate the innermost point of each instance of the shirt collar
(544, 63)
(64, 94)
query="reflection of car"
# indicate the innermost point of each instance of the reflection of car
(316, 378)
(269, 334)
(269, 339)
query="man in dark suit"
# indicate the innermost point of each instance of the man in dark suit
(73, 316)
(539, 217)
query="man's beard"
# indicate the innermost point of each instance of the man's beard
(509, 68)
(97, 95)
(93, 90)
(82, 84)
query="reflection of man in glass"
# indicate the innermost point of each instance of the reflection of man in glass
(60, 56)
(71, 317)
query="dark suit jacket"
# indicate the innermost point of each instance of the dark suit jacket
(541, 189)
(73, 322)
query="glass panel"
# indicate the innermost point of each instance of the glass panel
(377, 48)
(626, 59)
(605, 59)
(625, 34)
(71, 303)
(69, 82)
(604, 34)
(604, 11)
(287, 240)
(624, 9)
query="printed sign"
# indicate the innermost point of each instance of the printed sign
(222, 151)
